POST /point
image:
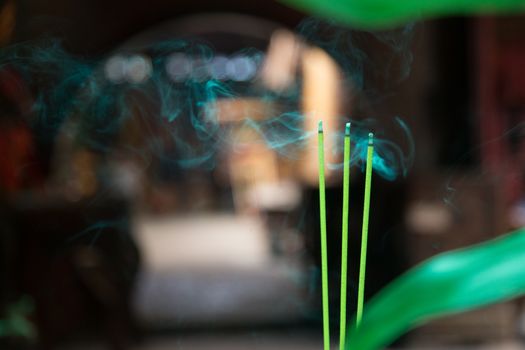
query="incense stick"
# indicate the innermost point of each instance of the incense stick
(364, 233)
(324, 257)
(344, 237)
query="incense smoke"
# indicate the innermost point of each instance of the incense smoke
(173, 102)
(368, 58)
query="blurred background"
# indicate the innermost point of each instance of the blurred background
(118, 235)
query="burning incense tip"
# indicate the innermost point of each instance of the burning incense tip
(320, 128)
(370, 138)
(347, 129)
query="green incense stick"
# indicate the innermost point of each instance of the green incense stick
(344, 236)
(324, 257)
(364, 233)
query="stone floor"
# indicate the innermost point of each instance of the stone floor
(267, 341)
(176, 290)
